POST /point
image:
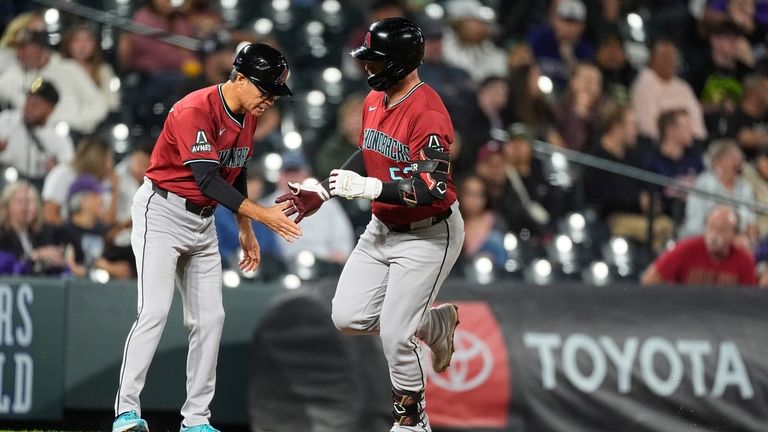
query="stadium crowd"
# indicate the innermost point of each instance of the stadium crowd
(677, 88)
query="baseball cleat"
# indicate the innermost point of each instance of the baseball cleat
(442, 350)
(199, 428)
(129, 421)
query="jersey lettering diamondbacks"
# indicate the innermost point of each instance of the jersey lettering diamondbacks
(393, 137)
(200, 127)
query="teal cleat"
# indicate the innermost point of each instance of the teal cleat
(129, 421)
(199, 428)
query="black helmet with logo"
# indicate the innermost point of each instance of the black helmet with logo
(265, 67)
(397, 41)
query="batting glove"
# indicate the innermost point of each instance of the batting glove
(349, 184)
(307, 199)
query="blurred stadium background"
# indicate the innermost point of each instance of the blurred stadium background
(592, 137)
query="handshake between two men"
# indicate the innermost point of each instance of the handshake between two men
(307, 198)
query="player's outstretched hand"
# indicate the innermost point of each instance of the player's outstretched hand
(276, 220)
(306, 199)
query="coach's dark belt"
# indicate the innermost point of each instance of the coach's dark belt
(191, 207)
(424, 223)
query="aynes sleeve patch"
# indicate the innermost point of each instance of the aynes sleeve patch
(201, 143)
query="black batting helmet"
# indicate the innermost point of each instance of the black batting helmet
(397, 41)
(265, 67)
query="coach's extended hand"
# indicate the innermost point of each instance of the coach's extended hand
(273, 217)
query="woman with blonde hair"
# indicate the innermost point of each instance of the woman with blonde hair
(93, 156)
(26, 21)
(27, 243)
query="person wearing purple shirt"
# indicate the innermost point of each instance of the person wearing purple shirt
(558, 47)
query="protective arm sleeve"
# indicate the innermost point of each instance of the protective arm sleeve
(426, 185)
(214, 186)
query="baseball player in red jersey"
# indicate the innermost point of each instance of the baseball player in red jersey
(197, 163)
(416, 233)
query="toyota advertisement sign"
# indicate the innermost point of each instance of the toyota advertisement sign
(574, 358)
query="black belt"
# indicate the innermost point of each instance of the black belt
(424, 223)
(191, 207)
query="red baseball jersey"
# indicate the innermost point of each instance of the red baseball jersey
(393, 136)
(689, 263)
(200, 127)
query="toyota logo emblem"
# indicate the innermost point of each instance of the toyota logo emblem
(471, 365)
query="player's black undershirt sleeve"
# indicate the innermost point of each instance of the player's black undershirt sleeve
(213, 185)
(241, 182)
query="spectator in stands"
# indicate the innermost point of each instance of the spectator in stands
(490, 167)
(84, 233)
(80, 105)
(148, 54)
(618, 73)
(526, 193)
(328, 233)
(756, 174)
(483, 228)
(379, 9)
(468, 42)
(338, 147)
(217, 54)
(622, 201)
(750, 16)
(559, 46)
(749, 124)
(30, 21)
(529, 105)
(205, 19)
(723, 175)
(81, 44)
(93, 156)
(453, 84)
(28, 141)
(152, 67)
(27, 244)
(228, 233)
(716, 75)
(487, 113)
(675, 157)
(577, 112)
(657, 88)
(709, 259)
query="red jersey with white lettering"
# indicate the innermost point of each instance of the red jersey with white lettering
(200, 127)
(689, 263)
(393, 136)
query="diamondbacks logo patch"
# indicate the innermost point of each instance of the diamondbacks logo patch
(201, 143)
(367, 41)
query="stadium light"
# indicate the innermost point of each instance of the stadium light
(331, 7)
(291, 282)
(292, 140)
(230, 278)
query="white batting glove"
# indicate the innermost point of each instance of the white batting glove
(349, 184)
